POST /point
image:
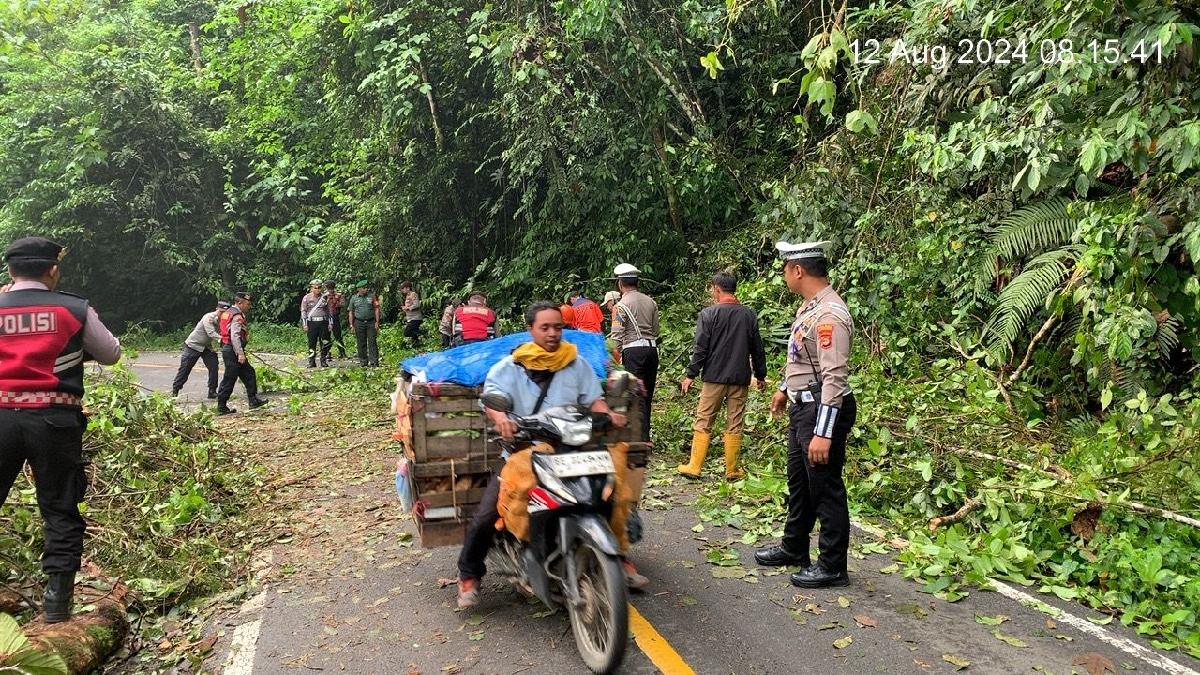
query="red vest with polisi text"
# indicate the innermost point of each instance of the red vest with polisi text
(227, 320)
(477, 323)
(41, 347)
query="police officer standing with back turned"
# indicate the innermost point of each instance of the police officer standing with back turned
(45, 337)
(821, 414)
(635, 331)
(234, 336)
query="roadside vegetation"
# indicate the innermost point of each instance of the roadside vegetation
(1017, 239)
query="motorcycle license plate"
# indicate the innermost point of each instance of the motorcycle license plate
(581, 464)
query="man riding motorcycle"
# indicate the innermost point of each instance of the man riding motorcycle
(539, 375)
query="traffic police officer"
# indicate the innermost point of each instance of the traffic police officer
(234, 336)
(822, 412)
(45, 337)
(635, 331)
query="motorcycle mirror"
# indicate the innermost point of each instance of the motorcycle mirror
(498, 401)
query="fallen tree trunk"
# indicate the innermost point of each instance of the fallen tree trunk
(89, 639)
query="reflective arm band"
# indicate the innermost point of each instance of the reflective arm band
(826, 418)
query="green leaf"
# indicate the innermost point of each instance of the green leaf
(843, 642)
(991, 620)
(1009, 639)
(17, 655)
(955, 660)
(858, 120)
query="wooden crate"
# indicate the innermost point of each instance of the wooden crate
(445, 433)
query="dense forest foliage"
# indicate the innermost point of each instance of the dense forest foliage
(1017, 234)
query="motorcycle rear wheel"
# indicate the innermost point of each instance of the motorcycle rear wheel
(601, 622)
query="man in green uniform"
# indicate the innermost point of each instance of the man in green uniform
(363, 311)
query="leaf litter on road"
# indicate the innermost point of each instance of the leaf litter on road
(865, 621)
(1009, 639)
(991, 620)
(1096, 664)
(957, 661)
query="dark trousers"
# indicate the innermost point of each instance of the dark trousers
(335, 327)
(318, 333)
(481, 533)
(816, 491)
(643, 363)
(187, 360)
(51, 440)
(366, 335)
(412, 331)
(235, 371)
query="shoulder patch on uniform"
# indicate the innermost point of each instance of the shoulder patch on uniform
(825, 335)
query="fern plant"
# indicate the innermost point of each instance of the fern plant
(1034, 228)
(1045, 231)
(1031, 290)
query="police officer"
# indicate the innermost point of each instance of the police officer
(336, 301)
(45, 337)
(234, 336)
(314, 319)
(635, 332)
(198, 347)
(822, 412)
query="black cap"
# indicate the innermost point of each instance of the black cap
(34, 249)
(242, 295)
(223, 304)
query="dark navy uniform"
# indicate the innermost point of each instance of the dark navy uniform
(45, 338)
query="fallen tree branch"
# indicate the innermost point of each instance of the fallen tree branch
(967, 507)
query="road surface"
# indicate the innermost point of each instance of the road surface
(349, 591)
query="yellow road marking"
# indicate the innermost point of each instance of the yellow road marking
(654, 645)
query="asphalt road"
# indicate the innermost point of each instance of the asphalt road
(352, 592)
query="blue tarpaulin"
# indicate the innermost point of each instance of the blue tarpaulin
(469, 364)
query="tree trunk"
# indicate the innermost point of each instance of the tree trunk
(668, 183)
(87, 640)
(438, 139)
(194, 39)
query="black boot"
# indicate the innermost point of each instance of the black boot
(257, 403)
(819, 577)
(212, 394)
(223, 409)
(56, 603)
(778, 556)
(174, 393)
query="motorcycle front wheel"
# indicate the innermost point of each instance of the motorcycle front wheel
(601, 621)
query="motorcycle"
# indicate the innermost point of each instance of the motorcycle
(571, 558)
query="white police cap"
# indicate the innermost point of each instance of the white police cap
(626, 270)
(808, 249)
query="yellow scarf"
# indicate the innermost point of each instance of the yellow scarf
(534, 357)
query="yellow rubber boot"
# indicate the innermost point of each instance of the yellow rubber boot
(733, 449)
(699, 452)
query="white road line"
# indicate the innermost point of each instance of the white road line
(241, 653)
(1148, 656)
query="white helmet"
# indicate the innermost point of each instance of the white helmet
(626, 270)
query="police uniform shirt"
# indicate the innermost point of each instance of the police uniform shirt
(819, 351)
(635, 319)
